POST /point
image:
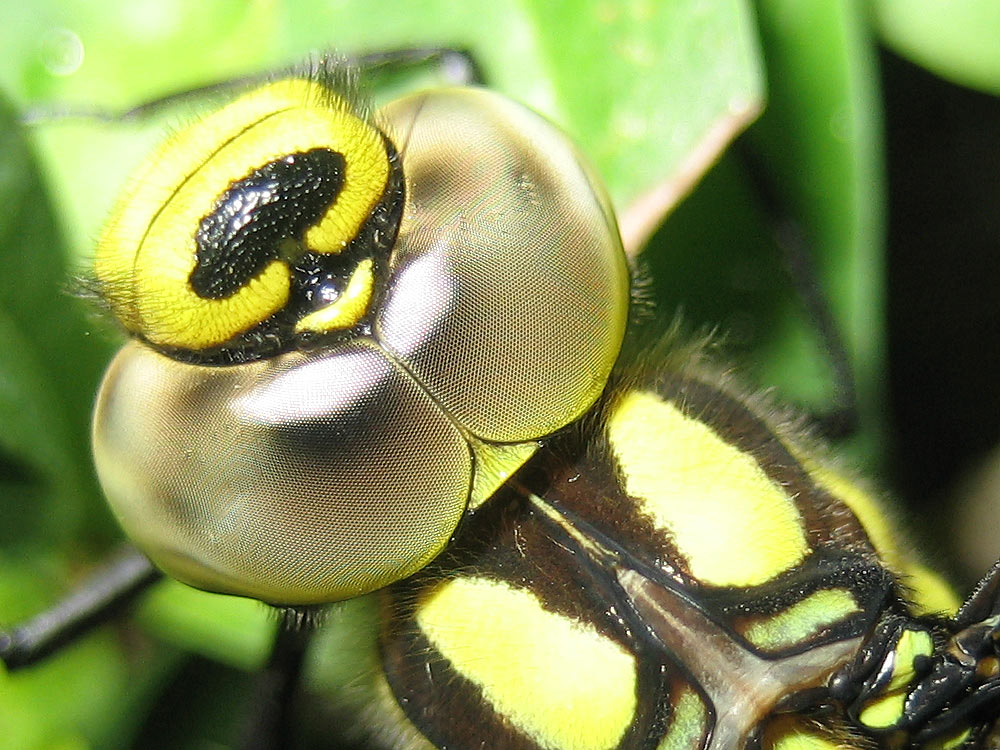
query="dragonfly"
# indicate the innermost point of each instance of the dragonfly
(796, 591)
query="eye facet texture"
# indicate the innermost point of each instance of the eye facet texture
(334, 469)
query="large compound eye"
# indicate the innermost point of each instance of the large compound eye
(510, 288)
(295, 480)
(346, 338)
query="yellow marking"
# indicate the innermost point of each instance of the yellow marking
(872, 516)
(555, 679)
(494, 465)
(147, 252)
(931, 593)
(688, 722)
(801, 620)
(345, 311)
(911, 644)
(949, 741)
(883, 712)
(171, 314)
(793, 734)
(731, 522)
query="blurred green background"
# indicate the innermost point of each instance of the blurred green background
(879, 127)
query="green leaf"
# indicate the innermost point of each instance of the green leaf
(821, 139)
(94, 693)
(231, 629)
(818, 141)
(52, 363)
(616, 76)
(957, 39)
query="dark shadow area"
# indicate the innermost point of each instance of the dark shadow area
(943, 147)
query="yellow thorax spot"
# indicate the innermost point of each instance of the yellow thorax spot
(494, 464)
(951, 740)
(795, 733)
(883, 712)
(688, 722)
(556, 679)
(930, 592)
(345, 311)
(792, 626)
(293, 145)
(911, 646)
(887, 709)
(734, 526)
(876, 522)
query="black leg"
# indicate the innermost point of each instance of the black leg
(457, 67)
(101, 598)
(842, 419)
(983, 602)
(270, 715)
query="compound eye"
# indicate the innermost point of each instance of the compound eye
(510, 290)
(301, 479)
(201, 250)
(482, 304)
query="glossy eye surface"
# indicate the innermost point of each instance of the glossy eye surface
(348, 330)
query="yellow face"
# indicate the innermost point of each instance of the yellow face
(290, 171)
(348, 329)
